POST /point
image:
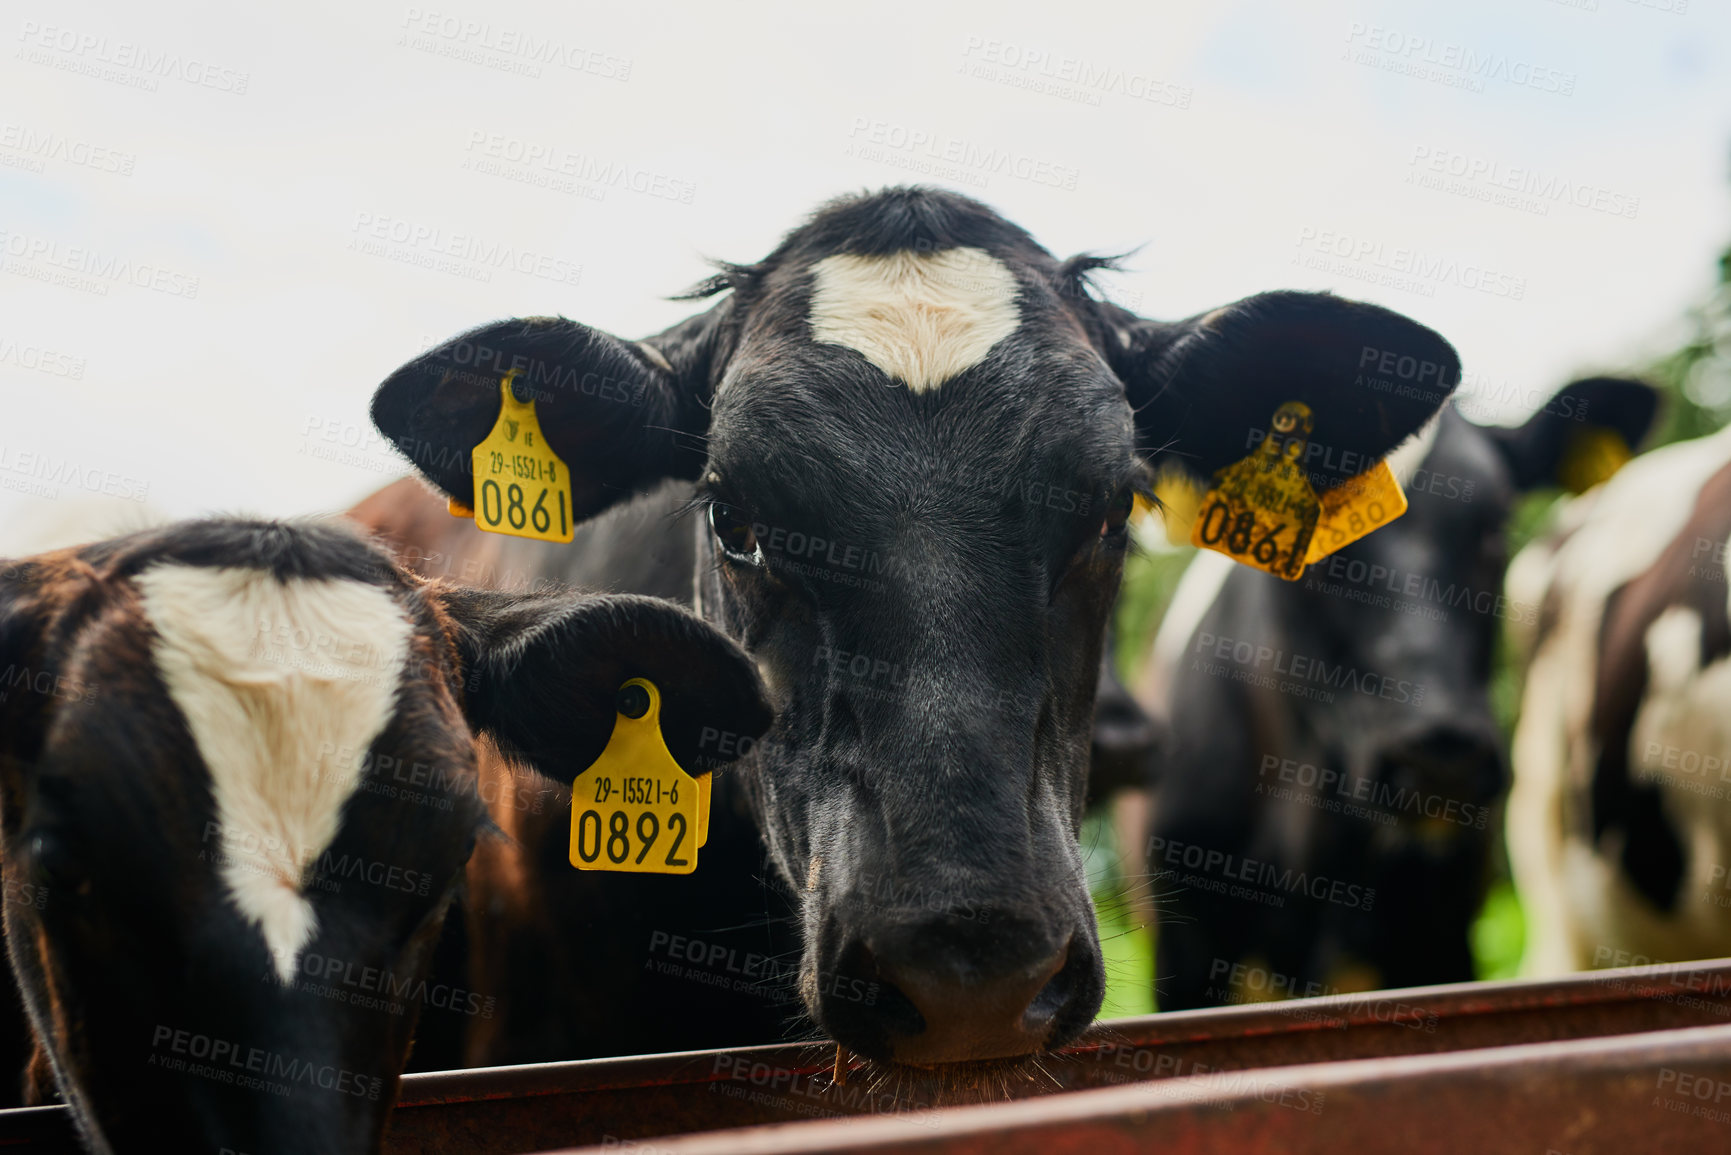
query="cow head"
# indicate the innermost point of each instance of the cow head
(1416, 610)
(915, 438)
(237, 781)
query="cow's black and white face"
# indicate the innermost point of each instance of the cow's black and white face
(915, 437)
(927, 601)
(246, 797)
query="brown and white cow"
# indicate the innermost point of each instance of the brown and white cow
(1619, 823)
(911, 437)
(237, 788)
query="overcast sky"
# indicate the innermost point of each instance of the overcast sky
(221, 228)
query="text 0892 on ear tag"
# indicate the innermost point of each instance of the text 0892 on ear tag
(521, 486)
(634, 809)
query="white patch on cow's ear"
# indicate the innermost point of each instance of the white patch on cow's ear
(284, 685)
(920, 317)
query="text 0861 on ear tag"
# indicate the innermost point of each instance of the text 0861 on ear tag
(521, 486)
(1262, 511)
(634, 809)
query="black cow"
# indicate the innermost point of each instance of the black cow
(912, 438)
(1322, 817)
(232, 902)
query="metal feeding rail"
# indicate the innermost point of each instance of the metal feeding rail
(1628, 1060)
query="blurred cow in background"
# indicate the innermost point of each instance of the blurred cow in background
(1620, 818)
(1323, 816)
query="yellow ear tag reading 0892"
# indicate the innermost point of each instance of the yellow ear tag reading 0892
(634, 809)
(522, 488)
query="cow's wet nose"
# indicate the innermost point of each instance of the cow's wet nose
(944, 991)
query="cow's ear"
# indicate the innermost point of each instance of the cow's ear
(542, 672)
(1205, 389)
(1559, 444)
(622, 414)
(23, 614)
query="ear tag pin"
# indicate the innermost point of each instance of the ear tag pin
(1263, 511)
(522, 488)
(634, 809)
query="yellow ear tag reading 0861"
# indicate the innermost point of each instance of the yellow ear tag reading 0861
(521, 486)
(1592, 455)
(634, 809)
(1262, 511)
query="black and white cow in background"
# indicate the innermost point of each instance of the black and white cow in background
(1322, 815)
(913, 382)
(1620, 816)
(208, 857)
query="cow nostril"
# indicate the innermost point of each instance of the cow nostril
(1056, 994)
(860, 981)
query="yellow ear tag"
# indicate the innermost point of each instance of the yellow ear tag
(1354, 508)
(634, 809)
(1594, 453)
(521, 486)
(1262, 511)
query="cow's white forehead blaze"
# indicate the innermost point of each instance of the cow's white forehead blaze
(920, 317)
(284, 685)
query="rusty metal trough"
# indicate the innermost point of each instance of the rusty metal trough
(1629, 1060)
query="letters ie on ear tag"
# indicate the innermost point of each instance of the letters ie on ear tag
(1262, 511)
(634, 809)
(521, 486)
(1593, 454)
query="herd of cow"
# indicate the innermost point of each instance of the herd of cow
(280, 799)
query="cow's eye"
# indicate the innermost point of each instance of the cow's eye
(738, 539)
(1118, 513)
(52, 863)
